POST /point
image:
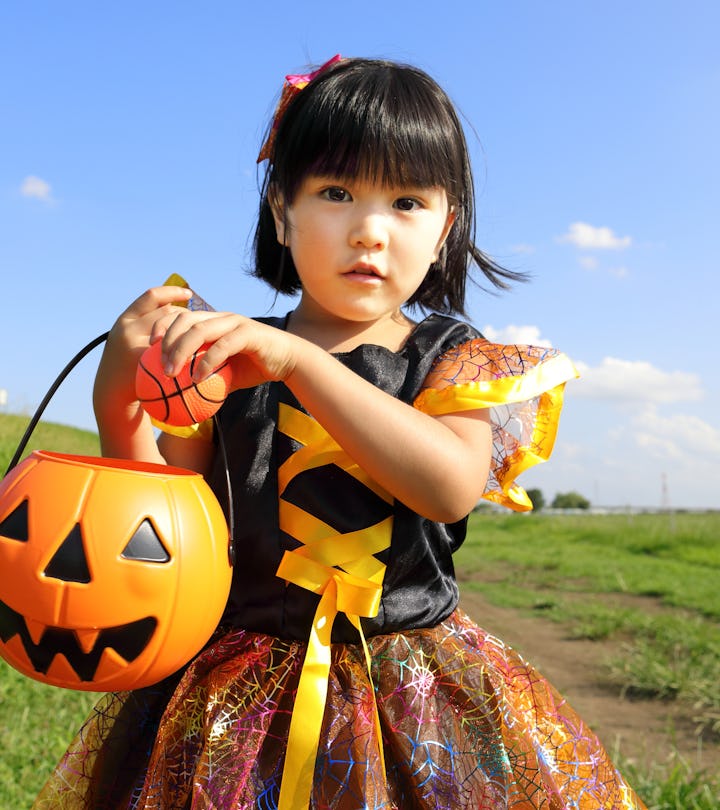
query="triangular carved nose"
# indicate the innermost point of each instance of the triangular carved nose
(69, 563)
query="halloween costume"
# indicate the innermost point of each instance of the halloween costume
(412, 705)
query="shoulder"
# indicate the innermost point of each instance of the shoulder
(493, 373)
(437, 334)
(278, 321)
(429, 340)
(479, 360)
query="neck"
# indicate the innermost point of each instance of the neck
(337, 335)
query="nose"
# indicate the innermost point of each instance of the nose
(370, 230)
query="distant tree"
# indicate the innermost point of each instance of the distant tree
(537, 498)
(570, 500)
(482, 506)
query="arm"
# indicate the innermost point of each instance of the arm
(435, 465)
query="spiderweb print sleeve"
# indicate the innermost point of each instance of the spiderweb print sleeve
(523, 388)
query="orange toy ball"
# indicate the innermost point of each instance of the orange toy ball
(178, 400)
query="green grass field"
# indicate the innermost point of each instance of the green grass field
(559, 565)
(576, 569)
(46, 436)
(564, 565)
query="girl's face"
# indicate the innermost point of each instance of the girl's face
(361, 249)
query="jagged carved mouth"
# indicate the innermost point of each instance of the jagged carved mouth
(127, 640)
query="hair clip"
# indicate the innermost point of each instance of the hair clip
(293, 85)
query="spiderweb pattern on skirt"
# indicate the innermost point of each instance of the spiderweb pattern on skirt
(466, 724)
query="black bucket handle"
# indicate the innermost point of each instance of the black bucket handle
(53, 389)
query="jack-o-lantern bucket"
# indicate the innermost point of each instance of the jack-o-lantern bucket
(113, 574)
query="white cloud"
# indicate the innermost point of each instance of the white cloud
(631, 457)
(618, 272)
(591, 237)
(588, 262)
(592, 263)
(36, 188)
(619, 457)
(676, 436)
(641, 453)
(636, 381)
(524, 335)
(522, 248)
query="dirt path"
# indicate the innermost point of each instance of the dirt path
(642, 730)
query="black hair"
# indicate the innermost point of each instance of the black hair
(379, 121)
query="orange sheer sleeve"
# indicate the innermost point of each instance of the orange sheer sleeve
(523, 388)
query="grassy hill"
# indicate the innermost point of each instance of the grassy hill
(46, 436)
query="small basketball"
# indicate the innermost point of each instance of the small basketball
(178, 400)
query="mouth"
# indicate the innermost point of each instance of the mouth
(365, 271)
(82, 649)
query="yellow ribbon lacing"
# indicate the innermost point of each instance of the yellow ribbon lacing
(342, 569)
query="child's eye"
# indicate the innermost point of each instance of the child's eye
(336, 194)
(407, 204)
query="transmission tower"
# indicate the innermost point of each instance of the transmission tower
(664, 495)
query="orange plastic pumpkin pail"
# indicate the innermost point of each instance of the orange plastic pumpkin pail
(113, 573)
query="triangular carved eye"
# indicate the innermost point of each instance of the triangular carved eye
(69, 563)
(15, 525)
(146, 545)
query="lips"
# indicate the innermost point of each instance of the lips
(363, 270)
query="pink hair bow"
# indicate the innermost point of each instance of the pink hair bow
(294, 83)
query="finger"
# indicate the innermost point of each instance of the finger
(228, 345)
(156, 298)
(184, 333)
(191, 330)
(241, 342)
(224, 337)
(163, 320)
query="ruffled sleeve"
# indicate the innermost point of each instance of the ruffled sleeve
(523, 388)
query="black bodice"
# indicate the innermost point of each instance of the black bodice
(419, 588)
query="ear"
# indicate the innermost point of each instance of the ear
(449, 222)
(277, 206)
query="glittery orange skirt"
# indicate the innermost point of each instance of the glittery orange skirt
(466, 723)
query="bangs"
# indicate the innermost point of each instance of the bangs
(381, 125)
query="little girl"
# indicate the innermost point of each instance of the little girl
(343, 674)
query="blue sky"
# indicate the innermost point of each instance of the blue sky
(127, 152)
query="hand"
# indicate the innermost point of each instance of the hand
(124, 427)
(256, 352)
(129, 337)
